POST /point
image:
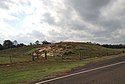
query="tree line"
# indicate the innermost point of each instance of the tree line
(7, 44)
(10, 44)
(119, 46)
(116, 46)
(38, 42)
(14, 44)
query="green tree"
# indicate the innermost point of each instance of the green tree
(20, 45)
(7, 44)
(46, 42)
(37, 42)
(1, 47)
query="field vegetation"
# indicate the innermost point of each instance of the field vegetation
(21, 68)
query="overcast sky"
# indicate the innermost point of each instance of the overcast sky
(26, 21)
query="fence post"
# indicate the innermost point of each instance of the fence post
(80, 55)
(10, 59)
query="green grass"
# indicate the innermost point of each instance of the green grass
(18, 54)
(34, 71)
(4, 60)
(26, 73)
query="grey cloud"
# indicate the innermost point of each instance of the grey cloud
(37, 34)
(89, 9)
(27, 2)
(84, 20)
(48, 19)
(3, 4)
(89, 12)
(29, 37)
(110, 27)
(57, 36)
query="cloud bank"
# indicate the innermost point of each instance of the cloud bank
(63, 20)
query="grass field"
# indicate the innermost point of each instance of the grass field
(4, 60)
(26, 73)
(23, 70)
(17, 54)
(30, 72)
(34, 71)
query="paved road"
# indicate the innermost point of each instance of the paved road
(106, 72)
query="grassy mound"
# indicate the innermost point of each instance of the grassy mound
(62, 50)
(79, 50)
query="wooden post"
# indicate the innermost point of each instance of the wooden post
(123, 51)
(33, 57)
(10, 59)
(46, 55)
(80, 55)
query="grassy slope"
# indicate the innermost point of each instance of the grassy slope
(18, 54)
(77, 49)
(87, 50)
(22, 73)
